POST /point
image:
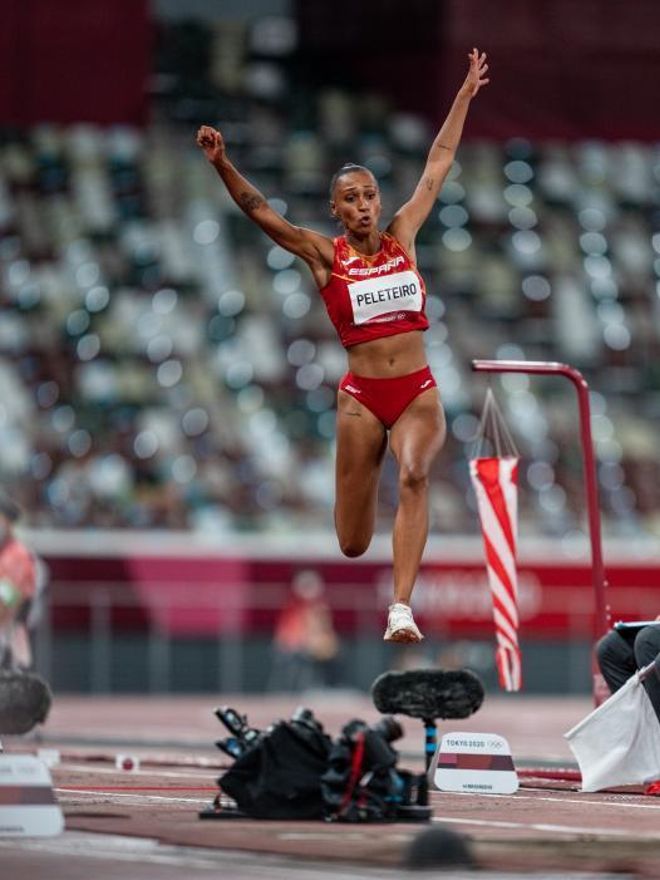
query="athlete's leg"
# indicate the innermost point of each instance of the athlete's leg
(416, 438)
(361, 445)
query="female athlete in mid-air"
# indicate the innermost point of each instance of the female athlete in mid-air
(375, 298)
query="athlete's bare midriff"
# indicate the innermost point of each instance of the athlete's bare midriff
(388, 356)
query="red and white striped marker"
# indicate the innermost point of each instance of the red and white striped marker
(495, 482)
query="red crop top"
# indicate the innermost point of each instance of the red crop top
(370, 297)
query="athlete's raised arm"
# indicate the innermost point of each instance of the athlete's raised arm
(411, 216)
(315, 249)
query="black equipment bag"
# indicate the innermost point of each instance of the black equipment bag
(279, 775)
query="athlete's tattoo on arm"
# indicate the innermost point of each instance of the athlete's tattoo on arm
(442, 147)
(429, 183)
(249, 202)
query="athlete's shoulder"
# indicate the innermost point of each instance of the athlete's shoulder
(388, 239)
(394, 247)
(344, 253)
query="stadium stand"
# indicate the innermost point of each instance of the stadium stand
(162, 364)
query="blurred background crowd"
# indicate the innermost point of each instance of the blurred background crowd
(164, 365)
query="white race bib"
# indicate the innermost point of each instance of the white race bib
(376, 297)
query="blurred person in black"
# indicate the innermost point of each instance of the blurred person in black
(627, 648)
(375, 297)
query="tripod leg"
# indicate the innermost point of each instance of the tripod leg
(431, 741)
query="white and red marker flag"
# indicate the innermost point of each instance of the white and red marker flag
(495, 482)
(618, 743)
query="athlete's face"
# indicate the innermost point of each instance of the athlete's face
(356, 202)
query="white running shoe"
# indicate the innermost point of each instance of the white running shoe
(400, 625)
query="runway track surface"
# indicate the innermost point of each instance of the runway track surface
(145, 824)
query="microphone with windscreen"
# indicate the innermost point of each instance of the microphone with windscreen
(25, 700)
(428, 694)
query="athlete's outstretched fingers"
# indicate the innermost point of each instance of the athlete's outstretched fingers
(361, 445)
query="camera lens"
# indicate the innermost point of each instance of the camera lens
(389, 728)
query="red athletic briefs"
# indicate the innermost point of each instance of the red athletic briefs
(387, 398)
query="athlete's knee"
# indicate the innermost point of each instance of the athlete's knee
(351, 542)
(413, 478)
(353, 547)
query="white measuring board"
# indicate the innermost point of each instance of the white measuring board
(480, 763)
(28, 807)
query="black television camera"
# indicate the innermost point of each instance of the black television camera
(362, 782)
(292, 770)
(276, 772)
(242, 736)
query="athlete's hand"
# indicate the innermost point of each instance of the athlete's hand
(476, 77)
(212, 143)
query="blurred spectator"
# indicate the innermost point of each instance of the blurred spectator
(305, 645)
(17, 588)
